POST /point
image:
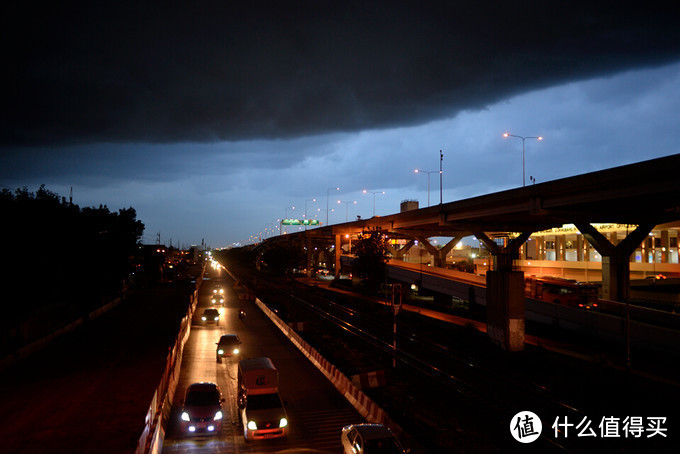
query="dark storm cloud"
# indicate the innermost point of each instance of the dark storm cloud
(82, 72)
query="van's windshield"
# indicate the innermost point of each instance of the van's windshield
(263, 401)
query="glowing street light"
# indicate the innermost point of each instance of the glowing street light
(428, 172)
(347, 208)
(505, 134)
(286, 217)
(365, 191)
(308, 200)
(328, 195)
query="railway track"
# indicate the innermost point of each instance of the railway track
(495, 395)
(452, 387)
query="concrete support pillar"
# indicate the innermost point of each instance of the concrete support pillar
(615, 259)
(540, 248)
(439, 255)
(338, 253)
(579, 248)
(401, 252)
(433, 251)
(505, 294)
(505, 309)
(532, 249)
(310, 254)
(560, 248)
(443, 252)
(665, 246)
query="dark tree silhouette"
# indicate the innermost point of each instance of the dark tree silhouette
(372, 254)
(56, 252)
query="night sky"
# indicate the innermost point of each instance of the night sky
(212, 119)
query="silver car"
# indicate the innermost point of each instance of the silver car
(369, 439)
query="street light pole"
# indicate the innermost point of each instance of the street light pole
(308, 200)
(523, 139)
(428, 172)
(441, 161)
(347, 208)
(328, 191)
(286, 217)
(365, 191)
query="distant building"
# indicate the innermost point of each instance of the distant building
(408, 205)
(564, 252)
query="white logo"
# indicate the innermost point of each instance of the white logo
(526, 426)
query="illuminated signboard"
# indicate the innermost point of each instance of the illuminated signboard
(300, 222)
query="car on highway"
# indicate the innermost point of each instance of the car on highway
(322, 272)
(217, 299)
(229, 345)
(202, 408)
(218, 290)
(210, 316)
(261, 411)
(369, 439)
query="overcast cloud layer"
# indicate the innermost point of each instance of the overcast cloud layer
(214, 122)
(230, 192)
(126, 71)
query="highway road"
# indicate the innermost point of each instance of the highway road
(316, 411)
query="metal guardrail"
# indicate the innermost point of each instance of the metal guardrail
(366, 407)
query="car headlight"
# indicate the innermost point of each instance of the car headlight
(252, 425)
(220, 352)
(236, 351)
(283, 422)
(217, 318)
(218, 415)
(203, 318)
(185, 416)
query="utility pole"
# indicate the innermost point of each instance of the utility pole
(441, 159)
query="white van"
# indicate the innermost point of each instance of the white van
(260, 408)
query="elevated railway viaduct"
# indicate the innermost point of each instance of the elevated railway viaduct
(642, 195)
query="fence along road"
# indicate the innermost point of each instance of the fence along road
(316, 411)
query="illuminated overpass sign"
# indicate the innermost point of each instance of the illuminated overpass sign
(300, 222)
